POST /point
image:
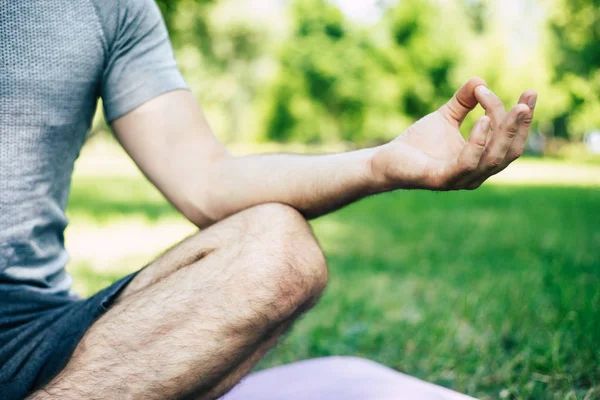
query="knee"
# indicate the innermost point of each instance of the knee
(294, 264)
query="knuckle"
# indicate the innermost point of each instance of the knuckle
(479, 141)
(443, 182)
(491, 160)
(527, 121)
(511, 130)
(437, 181)
(449, 112)
(495, 161)
(515, 154)
(470, 165)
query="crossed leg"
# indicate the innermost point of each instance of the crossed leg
(195, 321)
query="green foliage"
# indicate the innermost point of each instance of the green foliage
(575, 25)
(220, 52)
(310, 73)
(424, 53)
(340, 81)
(188, 23)
(324, 83)
(476, 10)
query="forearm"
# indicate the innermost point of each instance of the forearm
(171, 142)
(314, 185)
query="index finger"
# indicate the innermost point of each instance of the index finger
(493, 106)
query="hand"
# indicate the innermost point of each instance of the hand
(432, 154)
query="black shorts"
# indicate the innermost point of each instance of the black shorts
(39, 332)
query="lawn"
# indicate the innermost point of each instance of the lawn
(494, 293)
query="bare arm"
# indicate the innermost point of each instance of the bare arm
(172, 143)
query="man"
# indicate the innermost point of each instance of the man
(194, 322)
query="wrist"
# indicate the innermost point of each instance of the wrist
(396, 165)
(379, 181)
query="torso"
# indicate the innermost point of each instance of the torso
(51, 63)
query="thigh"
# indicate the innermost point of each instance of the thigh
(257, 227)
(196, 313)
(39, 331)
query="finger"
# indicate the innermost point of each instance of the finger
(462, 102)
(493, 106)
(529, 98)
(501, 139)
(469, 158)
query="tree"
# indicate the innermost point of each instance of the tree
(219, 51)
(339, 81)
(575, 25)
(326, 78)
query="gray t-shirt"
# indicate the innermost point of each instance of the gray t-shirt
(56, 58)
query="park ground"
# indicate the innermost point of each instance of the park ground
(494, 293)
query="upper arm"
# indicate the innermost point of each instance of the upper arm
(170, 140)
(146, 100)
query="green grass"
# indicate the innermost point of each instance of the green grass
(493, 293)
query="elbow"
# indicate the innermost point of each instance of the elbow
(203, 200)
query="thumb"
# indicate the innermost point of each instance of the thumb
(463, 102)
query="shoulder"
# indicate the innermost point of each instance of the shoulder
(122, 17)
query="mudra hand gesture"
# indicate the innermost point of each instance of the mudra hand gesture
(432, 154)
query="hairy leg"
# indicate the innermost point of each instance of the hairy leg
(244, 367)
(195, 321)
(242, 370)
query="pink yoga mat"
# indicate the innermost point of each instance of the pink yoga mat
(337, 378)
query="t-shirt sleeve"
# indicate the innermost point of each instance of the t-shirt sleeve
(140, 64)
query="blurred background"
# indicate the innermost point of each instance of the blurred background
(495, 292)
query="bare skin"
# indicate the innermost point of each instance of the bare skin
(194, 322)
(194, 332)
(171, 141)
